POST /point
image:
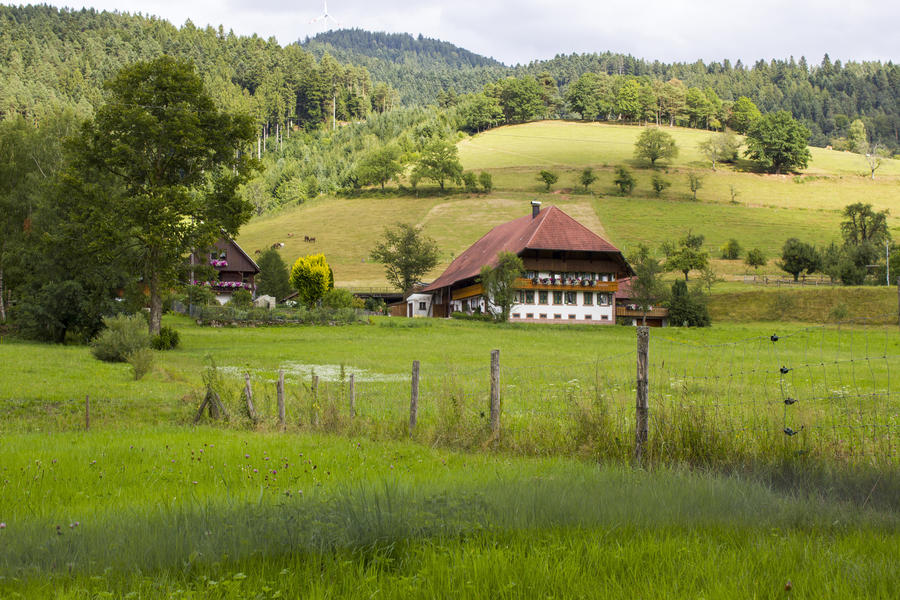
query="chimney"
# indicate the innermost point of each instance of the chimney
(535, 208)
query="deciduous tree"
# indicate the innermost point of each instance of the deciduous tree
(755, 258)
(655, 144)
(548, 178)
(798, 257)
(646, 283)
(439, 161)
(499, 282)
(175, 162)
(778, 143)
(379, 166)
(407, 255)
(743, 113)
(587, 178)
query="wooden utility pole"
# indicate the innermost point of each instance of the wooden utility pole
(642, 408)
(495, 392)
(414, 398)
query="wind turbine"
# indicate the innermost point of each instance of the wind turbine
(324, 17)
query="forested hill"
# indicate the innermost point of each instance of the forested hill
(53, 57)
(826, 96)
(419, 68)
(401, 48)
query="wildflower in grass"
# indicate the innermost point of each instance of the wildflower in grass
(256, 470)
(2, 525)
(194, 482)
(246, 456)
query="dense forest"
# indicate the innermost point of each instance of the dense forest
(826, 97)
(53, 57)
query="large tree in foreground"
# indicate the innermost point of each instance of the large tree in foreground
(171, 163)
(778, 143)
(407, 255)
(500, 282)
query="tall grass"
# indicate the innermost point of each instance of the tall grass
(403, 519)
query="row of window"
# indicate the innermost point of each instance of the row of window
(579, 275)
(570, 298)
(557, 316)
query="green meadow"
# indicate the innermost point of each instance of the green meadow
(206, 513)
(764, 211)
(770, 470)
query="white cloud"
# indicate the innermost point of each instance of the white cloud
(524, 30)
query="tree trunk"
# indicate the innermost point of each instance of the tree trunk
(155, 305)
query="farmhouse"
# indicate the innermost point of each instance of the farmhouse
(235, 270)
(571, 273)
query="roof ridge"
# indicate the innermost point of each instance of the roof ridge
(542, 215)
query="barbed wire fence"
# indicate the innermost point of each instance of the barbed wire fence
(824, 389)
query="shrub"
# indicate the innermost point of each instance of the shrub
(473, 317)
(624, 181)
(167, 339)
(141, 361)
(486, 181)
(731, 250)
(470, 181)
(375, 305)
(338, 298)
(242, 299)
(659, 183)
(122, 335)
(687, 308)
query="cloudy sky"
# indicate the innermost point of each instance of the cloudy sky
(523, 30)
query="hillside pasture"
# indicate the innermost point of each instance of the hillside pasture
(764, 212)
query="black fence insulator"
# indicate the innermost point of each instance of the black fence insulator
(784, 370)
(789, 401)
(774, 337)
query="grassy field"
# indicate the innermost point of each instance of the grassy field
(767, 209)
(181, 513)
(147, 505)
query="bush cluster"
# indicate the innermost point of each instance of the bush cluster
(121, 336)
(166, 339)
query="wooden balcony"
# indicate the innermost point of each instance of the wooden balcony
(623, 310)
(598, 286)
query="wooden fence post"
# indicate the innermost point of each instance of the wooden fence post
(248, 397)
(495, 393)
(315, 395)
(280, 393)
(87, 413)
(642, 406)
(414, 398)
(352, 396)
(898, 300)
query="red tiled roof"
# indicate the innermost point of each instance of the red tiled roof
(551, 229)
(624, 289)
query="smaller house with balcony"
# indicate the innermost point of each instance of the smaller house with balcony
(571, 273)
(234, 269)
(629, 311)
